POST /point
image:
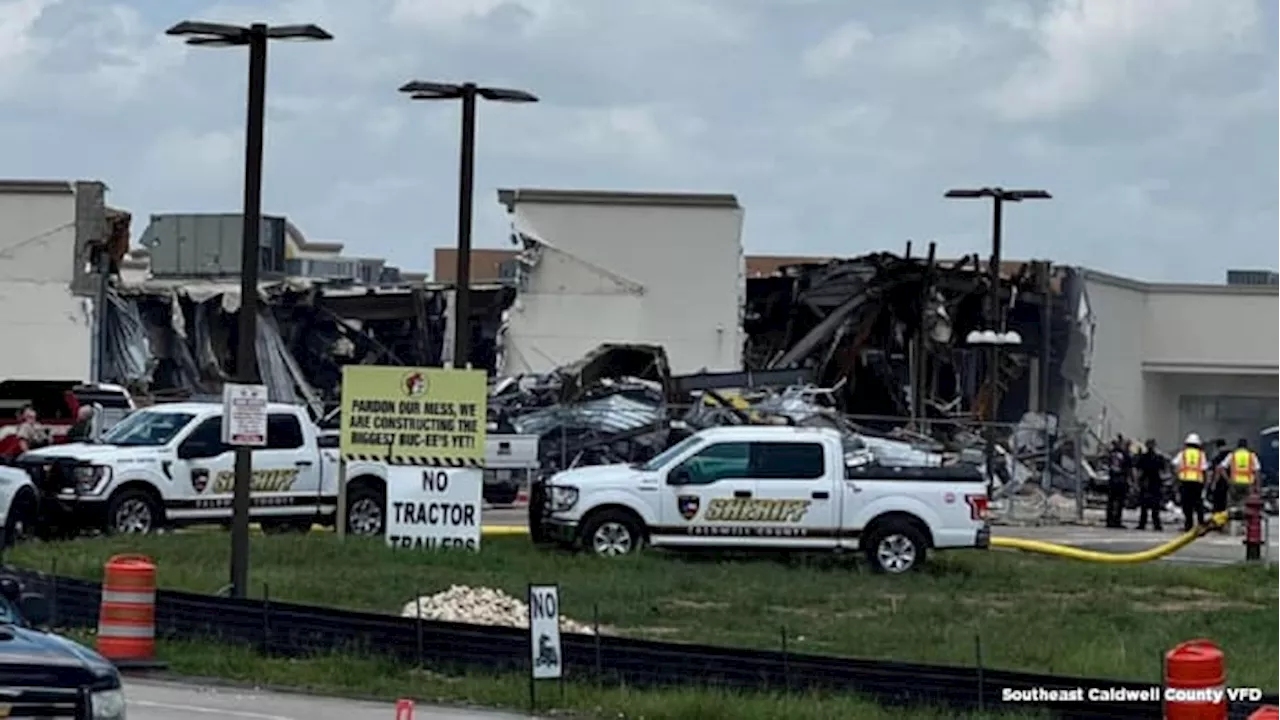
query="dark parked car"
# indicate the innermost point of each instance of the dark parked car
(46, 675)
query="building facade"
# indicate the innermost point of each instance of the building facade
(1170, 359)
(46, 283)
(622, 267)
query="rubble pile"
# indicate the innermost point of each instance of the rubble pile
(480, 606)
(873, 346)
(609, 407)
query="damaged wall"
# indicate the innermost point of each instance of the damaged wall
(1114, 401)
(38, 242)
(602, 267)
(884, 329)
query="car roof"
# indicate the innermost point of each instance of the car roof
(196, 408)
(768, 432)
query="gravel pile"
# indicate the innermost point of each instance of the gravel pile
(480, 606)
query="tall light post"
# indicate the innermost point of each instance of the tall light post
(255, 37)
(467, 93)
(995, 337)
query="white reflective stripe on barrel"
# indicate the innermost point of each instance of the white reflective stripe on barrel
(125, 631)
(137, 598)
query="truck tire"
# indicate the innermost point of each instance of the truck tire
(132, 511)
(20, 525)
(894, 546)
(366, 511)
(610, 533)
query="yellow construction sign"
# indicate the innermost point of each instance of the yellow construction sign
(414, 416)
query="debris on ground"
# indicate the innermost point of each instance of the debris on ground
(480, 606)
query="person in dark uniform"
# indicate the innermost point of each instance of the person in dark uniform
(1119, 468)
(1150, 466)
(1217, 478)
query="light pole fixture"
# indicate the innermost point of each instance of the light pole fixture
(467, 93)
(255, 37)
(995, 316)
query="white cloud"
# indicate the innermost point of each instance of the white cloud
(1150, 116)
(835, 50)
(199, 160)
(1086, 47)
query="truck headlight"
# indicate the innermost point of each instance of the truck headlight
(563, 497)
(108, 704)
(90, 479)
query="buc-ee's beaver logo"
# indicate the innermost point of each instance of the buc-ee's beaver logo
(414, 384)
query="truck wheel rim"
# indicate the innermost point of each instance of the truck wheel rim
(133, 516)
(896, 553)
(366, 518)
(612, 538)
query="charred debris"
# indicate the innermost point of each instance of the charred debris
(872, 345)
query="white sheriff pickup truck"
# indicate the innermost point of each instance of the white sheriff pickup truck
(773, 487)
(166, 465)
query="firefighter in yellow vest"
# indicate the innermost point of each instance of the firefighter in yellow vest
(1191, 467)
(1240, 471)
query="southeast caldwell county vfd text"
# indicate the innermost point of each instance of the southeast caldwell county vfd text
(411, 425)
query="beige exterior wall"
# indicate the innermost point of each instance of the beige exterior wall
(641, 268)
(46, 327)
(1170, 359)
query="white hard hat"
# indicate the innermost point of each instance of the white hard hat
(1192, 439)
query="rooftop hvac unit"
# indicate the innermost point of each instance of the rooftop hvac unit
(209, 245)
(1253, 277)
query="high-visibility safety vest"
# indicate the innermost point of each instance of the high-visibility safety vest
(1242, 467)
(1190, 470)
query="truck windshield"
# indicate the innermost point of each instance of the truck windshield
(147, 428)
(665, 456)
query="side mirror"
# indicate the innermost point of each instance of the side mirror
(35, 608)
(191, 450)
(679, 476)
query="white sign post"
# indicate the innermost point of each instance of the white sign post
(546, 659)
(433, 508)
(244, 414)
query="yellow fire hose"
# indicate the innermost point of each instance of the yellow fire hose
(1215, 521)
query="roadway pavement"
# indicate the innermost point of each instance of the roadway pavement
(158, 700)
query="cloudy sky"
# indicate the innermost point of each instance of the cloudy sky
(838, 123)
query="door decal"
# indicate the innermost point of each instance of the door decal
(688, 505)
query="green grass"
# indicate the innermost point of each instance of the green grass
(1032, 614)
(362, 677)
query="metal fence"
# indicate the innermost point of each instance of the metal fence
(293, 630)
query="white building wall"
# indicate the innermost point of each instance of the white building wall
(45, 328)
(1172, 359)
(1115, 397)
(628, 268)
(1191, 330)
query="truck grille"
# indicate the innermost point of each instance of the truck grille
(60, 703)
(50, 475)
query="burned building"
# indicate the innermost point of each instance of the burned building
(888, 333)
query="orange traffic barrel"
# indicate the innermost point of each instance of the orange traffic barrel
(127, 616)
(1266, 712)
(1195, 682)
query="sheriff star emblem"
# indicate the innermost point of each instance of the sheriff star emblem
(688, 506)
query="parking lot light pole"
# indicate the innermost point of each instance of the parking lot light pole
(255, 37)
(467, 93)
(996, 318)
